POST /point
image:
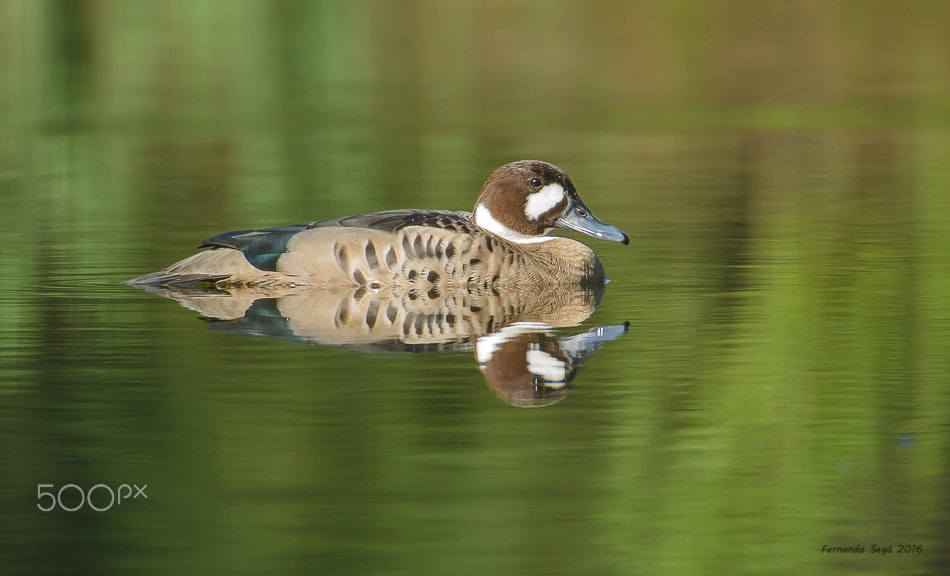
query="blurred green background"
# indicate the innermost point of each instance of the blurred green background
(782, 169)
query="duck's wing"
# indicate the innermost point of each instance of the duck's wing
(263, 248)
(395, 220)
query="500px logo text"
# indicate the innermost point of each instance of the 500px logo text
(105, 496)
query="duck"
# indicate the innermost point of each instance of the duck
(506, 242)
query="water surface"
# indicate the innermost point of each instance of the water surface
(782, 385)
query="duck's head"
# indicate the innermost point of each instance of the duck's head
(524, 201)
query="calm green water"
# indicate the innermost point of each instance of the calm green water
(783, 174)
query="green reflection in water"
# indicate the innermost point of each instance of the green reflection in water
(782, 172)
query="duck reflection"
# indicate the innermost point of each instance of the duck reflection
(512, 333)
(527, 365)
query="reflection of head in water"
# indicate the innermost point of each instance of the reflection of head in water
(528, 366)
(524, 365)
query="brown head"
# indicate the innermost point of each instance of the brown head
(524, 201)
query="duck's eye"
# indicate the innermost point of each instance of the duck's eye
(535, 182)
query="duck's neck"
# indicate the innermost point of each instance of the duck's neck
(484, 220)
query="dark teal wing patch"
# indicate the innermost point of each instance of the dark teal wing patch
(262, 248)
(262, 318)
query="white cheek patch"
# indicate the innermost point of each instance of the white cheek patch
(542, 364)
(484, 220)
(486, 346)
(543, 200)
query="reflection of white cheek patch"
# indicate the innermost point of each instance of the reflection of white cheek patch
(543, 200)
(548, 367)
(486, 346)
